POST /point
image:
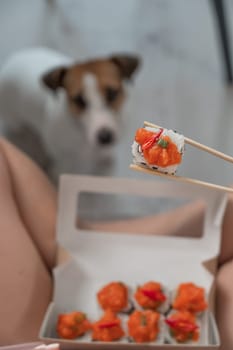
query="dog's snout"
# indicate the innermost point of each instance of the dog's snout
(105, 136)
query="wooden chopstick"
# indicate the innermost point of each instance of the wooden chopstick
(199, 145)
(180, 178)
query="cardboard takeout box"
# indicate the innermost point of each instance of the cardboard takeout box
(97, 259)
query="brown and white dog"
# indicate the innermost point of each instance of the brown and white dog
(74, 107)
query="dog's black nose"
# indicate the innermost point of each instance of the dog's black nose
(105, 137)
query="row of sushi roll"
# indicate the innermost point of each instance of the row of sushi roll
(181, 322)
(118, 297)
(158, 149)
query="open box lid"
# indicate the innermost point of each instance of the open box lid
(134, 258)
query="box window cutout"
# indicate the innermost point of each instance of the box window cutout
(138, 214)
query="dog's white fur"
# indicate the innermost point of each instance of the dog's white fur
(24, 99)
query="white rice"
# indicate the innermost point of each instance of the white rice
(139, 159)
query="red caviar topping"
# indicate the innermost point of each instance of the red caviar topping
(108, 328)
(154, 295)
(143, 135)
(143, 326)
(150, 295)
(152, 140)
(157, 149)
(190, 297)
(108, 324)
(183, 326)
(113, 296)
(72, 325)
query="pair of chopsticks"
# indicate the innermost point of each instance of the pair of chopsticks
(187, 179)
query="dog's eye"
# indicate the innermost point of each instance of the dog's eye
(111, 94)
(80, 101)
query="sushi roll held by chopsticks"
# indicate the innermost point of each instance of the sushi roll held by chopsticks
(158, 149)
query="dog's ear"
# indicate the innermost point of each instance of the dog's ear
(54, 78)
(127, 64)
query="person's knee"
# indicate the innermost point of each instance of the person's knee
(224, 286)
(224, 304)
(4, 173)
(2, 145)
(2, 155)
(3, 142)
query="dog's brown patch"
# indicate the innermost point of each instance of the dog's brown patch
(108, 79)
(109, 74)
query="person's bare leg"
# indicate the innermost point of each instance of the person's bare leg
(224, 304)
(26, 282)
(35, 197)
(224, 281)
(226, 249)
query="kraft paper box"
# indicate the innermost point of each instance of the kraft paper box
(99, 258)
